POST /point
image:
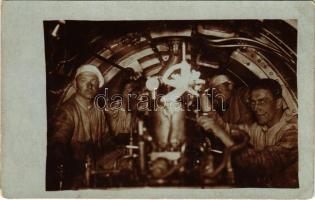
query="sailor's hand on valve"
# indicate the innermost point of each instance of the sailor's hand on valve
(206, 122)
(209, 125)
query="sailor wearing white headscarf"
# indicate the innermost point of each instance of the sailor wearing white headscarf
(79, 128)
(219, 79)
(235, 100)
(92, 69)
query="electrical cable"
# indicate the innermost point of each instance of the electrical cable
(226, 155)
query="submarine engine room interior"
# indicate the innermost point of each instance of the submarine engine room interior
(167, 147)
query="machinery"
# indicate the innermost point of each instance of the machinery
(171, 61)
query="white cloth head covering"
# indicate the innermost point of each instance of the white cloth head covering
(219, 79)
(93, 69)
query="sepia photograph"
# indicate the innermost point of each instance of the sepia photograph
(157, 99)
(171, 103)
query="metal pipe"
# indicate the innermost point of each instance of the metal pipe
(142, 160)
(255, 47)
(107, 61)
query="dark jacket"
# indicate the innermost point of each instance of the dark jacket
(76, 131)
